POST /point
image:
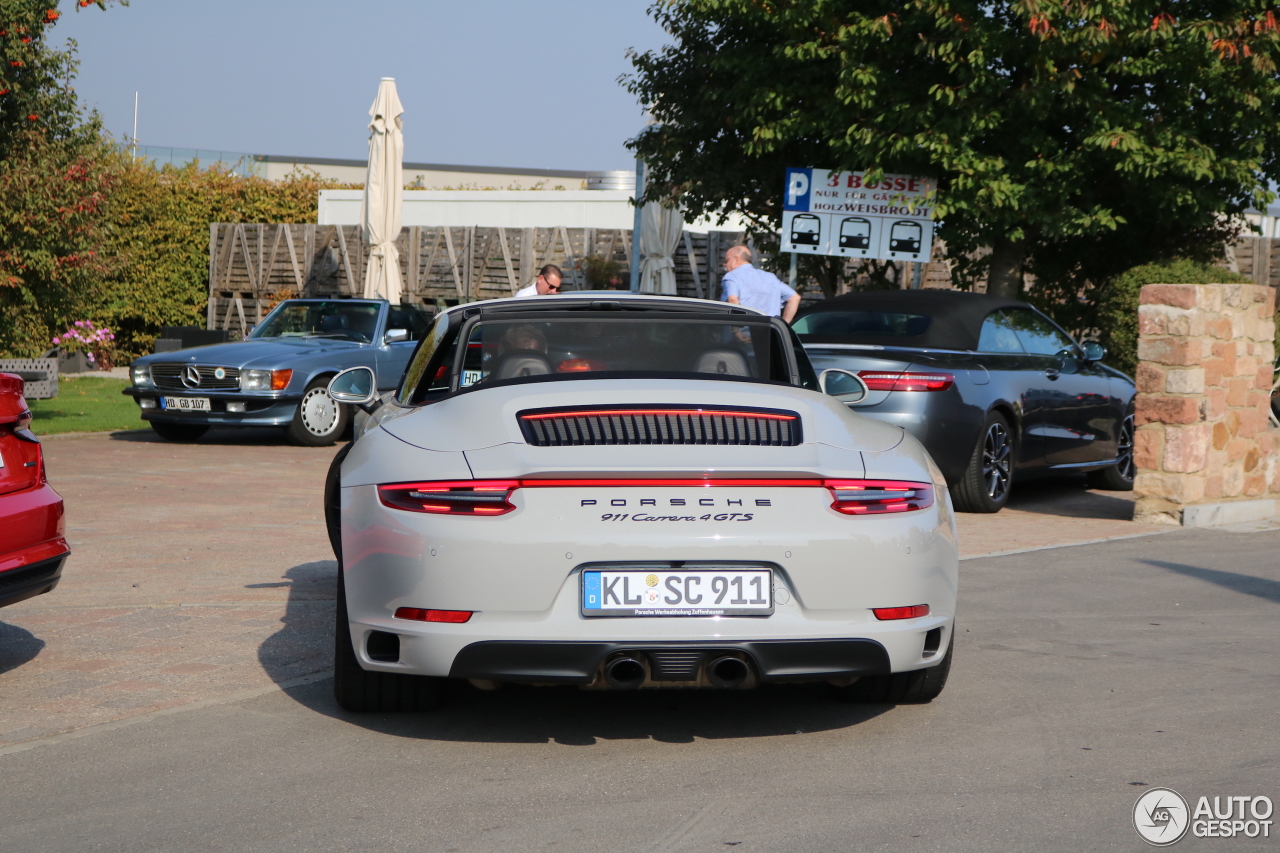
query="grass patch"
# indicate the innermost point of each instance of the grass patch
(86, 404)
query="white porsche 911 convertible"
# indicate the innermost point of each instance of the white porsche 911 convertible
(620, 491)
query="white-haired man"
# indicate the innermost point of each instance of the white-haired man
(745, 285)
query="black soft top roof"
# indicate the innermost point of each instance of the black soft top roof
(956, 316)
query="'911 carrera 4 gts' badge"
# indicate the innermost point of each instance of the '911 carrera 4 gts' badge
(696, 508)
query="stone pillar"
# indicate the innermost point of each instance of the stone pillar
(1203, 448)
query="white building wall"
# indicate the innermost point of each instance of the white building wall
(506, 209)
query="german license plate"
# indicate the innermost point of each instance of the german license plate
(185, 404)
(707, 592)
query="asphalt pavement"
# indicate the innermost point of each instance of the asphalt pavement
(1083, 676)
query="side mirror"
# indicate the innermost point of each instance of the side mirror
(1093, 351)
(355, 385)
(844, 386)
(394, 335)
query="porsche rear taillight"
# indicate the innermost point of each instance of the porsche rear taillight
(462, 497)
(493, 497)
(877, 497)
(893, 380)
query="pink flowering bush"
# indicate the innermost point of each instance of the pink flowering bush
(96, 342)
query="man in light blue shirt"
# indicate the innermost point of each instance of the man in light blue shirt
(757, 289)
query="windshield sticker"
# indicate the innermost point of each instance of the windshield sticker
(470, 377)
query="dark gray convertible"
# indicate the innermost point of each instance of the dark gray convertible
(277, 376)
(993, 388)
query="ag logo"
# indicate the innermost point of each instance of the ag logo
(1161, 816)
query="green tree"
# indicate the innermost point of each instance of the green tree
(1074, 138)
(158, 248)
(56, 175)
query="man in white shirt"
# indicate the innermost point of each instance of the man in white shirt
(548, 281)
(758, 289)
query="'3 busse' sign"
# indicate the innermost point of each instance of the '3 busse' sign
(842, 213)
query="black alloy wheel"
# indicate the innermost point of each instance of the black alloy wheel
(179, 432)
(918, 687)
(1118, 477)
(986, 483)
(360, 690)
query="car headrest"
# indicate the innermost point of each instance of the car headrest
(334, 323)
(523, 362)
(726, 362)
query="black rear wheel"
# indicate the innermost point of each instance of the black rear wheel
(1118, 477)
(359, 690)
(918, 687)
(179, 432)
(985, 484)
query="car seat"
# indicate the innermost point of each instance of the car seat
(334, 323)
(725, 362)
(522, 362)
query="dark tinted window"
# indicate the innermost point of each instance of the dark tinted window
(409, 317)
(1038, 334)
(998, 335)
(525, 349)
(854, 324)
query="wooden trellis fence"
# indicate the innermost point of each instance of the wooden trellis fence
(254, 266)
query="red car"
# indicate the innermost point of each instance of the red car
(32, 545)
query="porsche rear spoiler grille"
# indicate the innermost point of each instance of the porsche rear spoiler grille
(659, 425)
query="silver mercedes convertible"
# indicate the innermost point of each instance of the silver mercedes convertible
(623, 492)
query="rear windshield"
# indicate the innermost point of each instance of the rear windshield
(829, 326)
(512, 350)
(352, 321)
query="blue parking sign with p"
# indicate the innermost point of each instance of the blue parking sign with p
(797, 193)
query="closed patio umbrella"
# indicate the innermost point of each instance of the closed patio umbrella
(380, 211)
(660, 229)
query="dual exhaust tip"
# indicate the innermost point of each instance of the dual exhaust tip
(628, 671)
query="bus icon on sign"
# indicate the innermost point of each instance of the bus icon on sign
(855, 233)
(806, 230)
(905, 236)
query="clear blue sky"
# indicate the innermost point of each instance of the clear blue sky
(528, 83)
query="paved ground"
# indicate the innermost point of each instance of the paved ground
(1083, 676)
(202, 571)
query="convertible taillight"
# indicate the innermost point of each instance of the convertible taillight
(463, 497)
(874, 497)
(892, 380)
